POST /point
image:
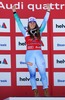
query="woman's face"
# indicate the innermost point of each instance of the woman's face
(32, 25)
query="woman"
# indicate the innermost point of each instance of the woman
(34, 56)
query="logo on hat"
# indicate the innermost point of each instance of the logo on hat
(32, 19)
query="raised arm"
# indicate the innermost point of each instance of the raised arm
(20, 25)
(44, 22)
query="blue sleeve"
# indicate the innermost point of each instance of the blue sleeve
(20, 25)
(44, 22)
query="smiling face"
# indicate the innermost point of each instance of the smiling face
(32, 25)
(32, 22)
(33, 28)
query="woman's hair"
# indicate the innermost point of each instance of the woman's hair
(37, 32)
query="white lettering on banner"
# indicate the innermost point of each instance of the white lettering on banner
(23, 79)
(59, 60)
(59, 25)
(19, 5)
(59, 78)
(37, 6)
(59, 43)
(5, 81)
(32, 7)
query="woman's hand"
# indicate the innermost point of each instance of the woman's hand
(14, 8)
(48, 7)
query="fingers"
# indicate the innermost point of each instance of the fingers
(29, 63)
(14, 8)
(48, 7)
